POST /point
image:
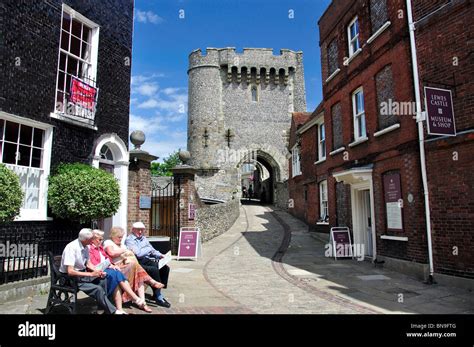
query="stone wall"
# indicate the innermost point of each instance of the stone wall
(226, 121)
(214, 220)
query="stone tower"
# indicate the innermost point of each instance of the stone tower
(239, 111)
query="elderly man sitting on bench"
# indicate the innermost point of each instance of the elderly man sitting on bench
(75, 262)
(148, 257)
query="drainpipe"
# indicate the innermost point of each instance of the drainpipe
(420, 117)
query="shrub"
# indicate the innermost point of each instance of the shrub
(79, 192)
(11, 195)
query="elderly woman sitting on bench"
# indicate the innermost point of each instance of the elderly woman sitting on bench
(117, 283)
(75, 262)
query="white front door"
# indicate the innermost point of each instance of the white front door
(362, 220)
(367, 221)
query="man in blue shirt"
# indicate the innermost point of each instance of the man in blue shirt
(148, 257)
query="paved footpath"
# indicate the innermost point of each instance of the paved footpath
(268, 262)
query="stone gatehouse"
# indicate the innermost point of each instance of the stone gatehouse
(240, 107)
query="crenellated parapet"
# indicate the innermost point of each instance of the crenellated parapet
(254, 65)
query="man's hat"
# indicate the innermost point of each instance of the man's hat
(138, 225)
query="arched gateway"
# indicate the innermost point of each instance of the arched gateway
(239, 116)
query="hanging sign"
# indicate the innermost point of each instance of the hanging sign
(439, 112)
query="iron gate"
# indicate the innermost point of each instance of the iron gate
(165, 211)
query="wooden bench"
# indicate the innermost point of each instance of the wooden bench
(64, 288)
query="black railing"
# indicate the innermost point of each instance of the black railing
(78, 104)
(24, 255)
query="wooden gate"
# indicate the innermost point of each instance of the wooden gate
(164, 216)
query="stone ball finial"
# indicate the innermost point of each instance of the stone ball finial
(184, 156)
(137, 137)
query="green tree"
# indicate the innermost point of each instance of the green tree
(164, 169)
(82, 193)
(11, 195)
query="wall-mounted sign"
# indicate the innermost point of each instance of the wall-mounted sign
(191, 211)
(189, 243)
(145, 202)
(439, 112)
(83, 94)
(340, 238)
(393, 201)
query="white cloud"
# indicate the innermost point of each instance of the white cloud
(175, 103)
(150, 103)
(172, 117)
(138, 79)
(163, 148)
(148, 125)
(170, 91)
(146, 89)
(148, 17)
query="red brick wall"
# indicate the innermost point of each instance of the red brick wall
(139, 183)
(441, 38)
(396, 150)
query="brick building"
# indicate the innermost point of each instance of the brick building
(445, 60)
(359, 152)
(64, 96)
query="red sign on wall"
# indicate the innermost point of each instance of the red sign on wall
(83, 94)
(440, 112)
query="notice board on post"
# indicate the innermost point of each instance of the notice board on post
(340, 239)
(189, 246)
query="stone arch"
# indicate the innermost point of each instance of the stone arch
(270, 160)
(119, 167)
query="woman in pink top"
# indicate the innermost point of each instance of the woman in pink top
(116, 281)
(129, 265)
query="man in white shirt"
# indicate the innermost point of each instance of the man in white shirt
(75, 262)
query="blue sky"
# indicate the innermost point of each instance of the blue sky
(166, 31)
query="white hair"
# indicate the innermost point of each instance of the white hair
(85, 234)
(97, 233)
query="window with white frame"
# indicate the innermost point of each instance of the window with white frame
(353, 36)
(25, 149)
(321, 142)
(359, 114)
(296, 164)
(323, 201)
(78, 53)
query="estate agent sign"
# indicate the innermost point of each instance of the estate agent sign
(83, 94)
(440, 112)
(393, 201)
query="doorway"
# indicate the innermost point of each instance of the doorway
(362, 217)
(362, 206)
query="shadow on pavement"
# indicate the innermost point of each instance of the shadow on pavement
(305, 261)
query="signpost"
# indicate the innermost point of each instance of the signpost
(340, 238)
(440, 112)
(393, 201)
(189, 243)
